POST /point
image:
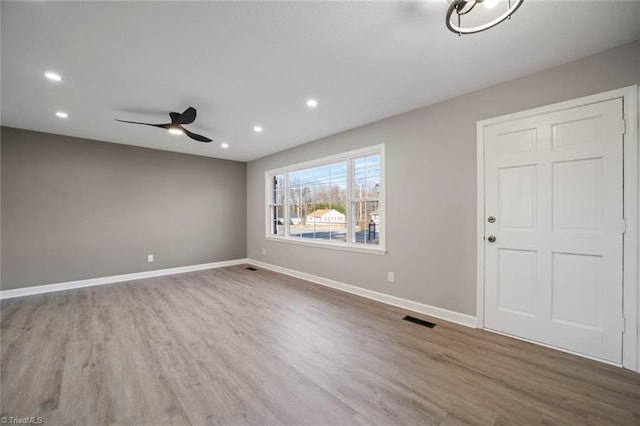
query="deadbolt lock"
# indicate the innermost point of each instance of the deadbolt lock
(491, 219)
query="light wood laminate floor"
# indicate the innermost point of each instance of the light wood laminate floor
(231, 346)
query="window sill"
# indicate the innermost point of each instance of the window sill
(380, 251)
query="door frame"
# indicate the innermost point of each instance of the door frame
(631, 181)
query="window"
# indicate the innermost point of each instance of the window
(335, 201)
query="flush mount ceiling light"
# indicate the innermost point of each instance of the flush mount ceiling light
(52, 76)
(62, 114)
(459, 8)
(224, 145)
(257, 129)
(312, 103)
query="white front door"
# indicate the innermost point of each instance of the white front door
(553, 183)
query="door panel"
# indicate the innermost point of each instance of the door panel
(576, 132)
(577, 287)
(517, 197)
(517, 272)
(517, 142)
(554, 272)
(577, 190)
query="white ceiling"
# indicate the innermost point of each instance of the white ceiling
(246, 63)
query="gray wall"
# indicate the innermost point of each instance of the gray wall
(431, 184)
(76, 208)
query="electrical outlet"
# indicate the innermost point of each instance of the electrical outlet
(264, 251)
(149, 258)
(390, 277)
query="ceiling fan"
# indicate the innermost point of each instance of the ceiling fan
(175, 127)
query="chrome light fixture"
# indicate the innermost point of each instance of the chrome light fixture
(459, 8)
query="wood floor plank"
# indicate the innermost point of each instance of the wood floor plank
(232, 346)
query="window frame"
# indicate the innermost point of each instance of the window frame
(349, 244)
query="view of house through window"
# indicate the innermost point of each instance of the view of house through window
(335, 202)
(318, 202)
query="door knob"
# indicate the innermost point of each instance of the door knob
(491, 219)
(492, 238)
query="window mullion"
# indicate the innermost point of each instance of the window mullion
(286, 204)
(268, 200)
(350, 189)
(274, 204)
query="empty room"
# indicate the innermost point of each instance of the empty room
(320, 212)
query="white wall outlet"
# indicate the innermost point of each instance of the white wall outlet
(264, 251)
(149, 258)
(390, 277)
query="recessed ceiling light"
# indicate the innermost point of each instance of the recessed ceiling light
(62, 114)
(312, 103)
(52, 76)
(257, 129)
(175, 131)
(224, 145)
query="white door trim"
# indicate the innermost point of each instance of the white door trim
(631, 293)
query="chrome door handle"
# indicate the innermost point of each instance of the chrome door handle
(492, 238)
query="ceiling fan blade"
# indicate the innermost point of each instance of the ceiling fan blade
(187, 117)
(195, 136)
(163, 126)
(175, 116)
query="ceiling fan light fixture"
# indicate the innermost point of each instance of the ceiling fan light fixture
(175, 127)
(459, 8)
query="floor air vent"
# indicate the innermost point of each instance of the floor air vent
(419, 321)
(251, 268)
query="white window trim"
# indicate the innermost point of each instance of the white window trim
(379, 249)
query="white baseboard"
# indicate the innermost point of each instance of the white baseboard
(445, 314)
(48, 288)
